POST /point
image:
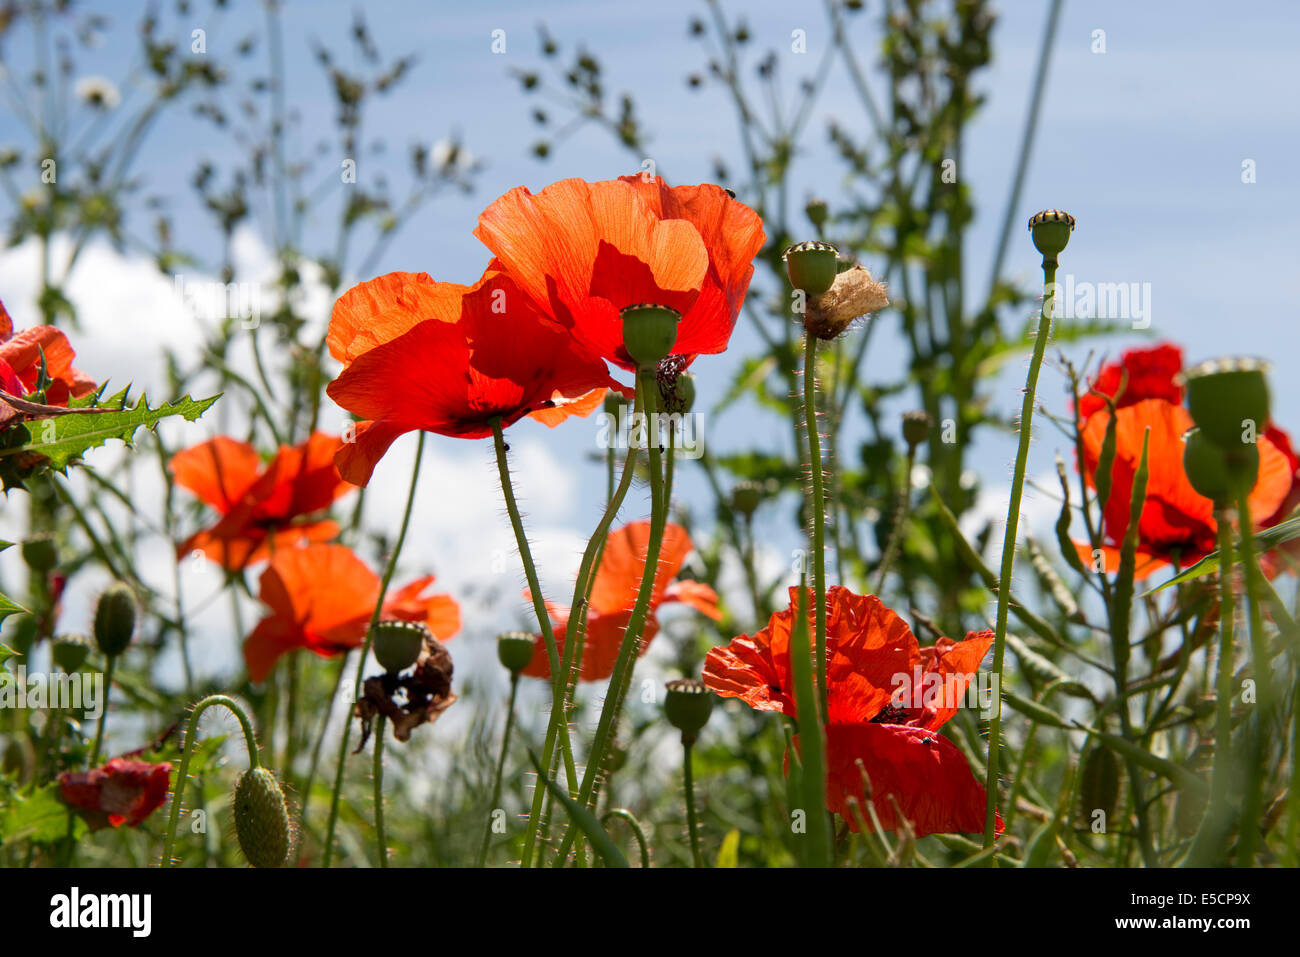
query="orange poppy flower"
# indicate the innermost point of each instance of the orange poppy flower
(613, 595)
(448, 359)
(886, 699)
(583, 251)
(20, 362)
(1176, 521)
(322, 597)
(123, 791)
(259, 505)
(1147, 373)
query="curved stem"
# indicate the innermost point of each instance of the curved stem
(191, 735)
(691, 821)
(365, 650)
(818, 509)
(501, 765)
(626, 815)
(1009, 542)
(381, 726)
(103, 714)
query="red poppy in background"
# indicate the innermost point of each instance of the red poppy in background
(448, 359)
(583, 251)
(20, 363)
(321, 597)
(1147, 373)
(613, 595)
(123, 791)
(260, 506)
(886, 699)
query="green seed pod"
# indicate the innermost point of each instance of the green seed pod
(811, 266)
(916, 427)
(1050, 230)
(398, 644)
(515, 649)
(687, 705)
(115, 619)
(262, 818)
(1215, 472)
(649, 332)
(817, 212)
(70, 652)
(1228, 399)
(746, 497)
(40, 553)
(1099, 782)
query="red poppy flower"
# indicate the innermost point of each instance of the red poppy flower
(448, 359)
(583, 251)
(123, 791)
(259, 505)
(613, 595)
(886, 699)
(1149, 373)
(20, 362)
(321, 598)
(1176, 521)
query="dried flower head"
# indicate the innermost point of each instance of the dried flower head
(853, 294)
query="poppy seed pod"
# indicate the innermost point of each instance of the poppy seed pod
(817, 212)
(687, 705)
(649, 332)
(1213, 471)
(1051, 230)
(811, 266)
(262, 818)
(1228, 399)
(115, 619)
(515, 650)
(397, 644)
(40, 553)
(70, 652)
(746, 497)
(916, 427)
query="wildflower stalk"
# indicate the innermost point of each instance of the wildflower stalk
(818, 510)
(647, 386)
(501, 766)
(191, 735)
(1009, 537)
(575, 635)
(813, 751)
(692, 823)
(365, 650)
(900, 520)
(1248, 838)
(103, 713)
(378, 774)
(539, 601)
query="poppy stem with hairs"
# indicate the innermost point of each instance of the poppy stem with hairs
(576, 635)
(812, 777)
(1009, 538)
(648, 387)
(1248, 838)
(818, 510)
(501, 767)
(191, 735)
(103, 712)
(688, 774)
(539, 602)
(381, 727)
(365, 650)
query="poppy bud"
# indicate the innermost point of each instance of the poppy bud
(262, 818)
(1227, 399)
(397, 644)
(19, 760)
(40, 553)
(1050, 230)
(817, 212)
(649, 332)
(683, 393)
(70, 652)
(1214, 472)
(746, 497)
(916, 427)
(811, 266)
(515, 650)
(1099, 783)
(687, 705)
(115, 619)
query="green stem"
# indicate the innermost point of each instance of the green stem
(378, 774)
(900, 520)
(691, 821)
(103, 714)
(1249, 836)
(1009, 541)
(191, 735)
(365, 650)
(818, 509)
(501, 765)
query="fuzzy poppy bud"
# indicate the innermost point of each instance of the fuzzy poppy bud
(115, 619)
(70, 652)
(515, 650)
(262, 818)
(683, 397)
(1099, 783)
(40, 553)
(649, 332)
(746, 497)
(811, 266)
(1050, 230)
(397, 644)
(687, 705)
(916, 427)
(1228, 399)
